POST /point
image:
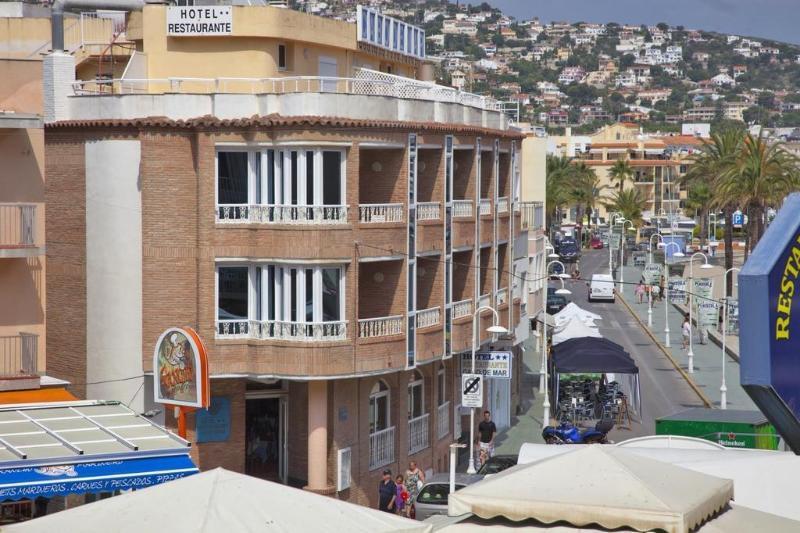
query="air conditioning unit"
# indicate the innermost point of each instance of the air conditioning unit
(343, 469)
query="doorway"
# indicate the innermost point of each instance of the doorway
(265, 438)
(500, 402)
(328, 69)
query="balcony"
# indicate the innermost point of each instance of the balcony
(501, 296)
(281, 214)
(381, 448)
(443, 420)
(462, 209)
(282, 331)
(428, 318)
(429, 211)
(18, 230)
(418, 433)
(380, 213)
(369, 328)
(485, 207)
(19, 355)
(502, 205)
(485, 300)
(462, 308)
(532, 215)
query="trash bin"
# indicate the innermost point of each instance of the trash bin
(729, 427)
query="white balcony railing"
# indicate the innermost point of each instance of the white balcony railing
(462, 208)
(428, 317)
(501, 296)
(443, 420)
(17, 225)
(485, 300)
(418, 433)
(532, 214)
(502, 205)
(485, 207)
(19, 355)
(380, 213)
(280, 330)
(462, 308)
(380, 327)
(364, 82)
(428, 211)
(281, 214)
(381, 448)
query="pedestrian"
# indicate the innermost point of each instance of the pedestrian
(655, 291)
(401, 495)
(487, 431)
(387, 492)
(639, 291)
(415, 478)
(686, 332)
(661, 289)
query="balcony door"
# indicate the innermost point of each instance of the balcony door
(328, 69)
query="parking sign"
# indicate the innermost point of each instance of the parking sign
(472, 390)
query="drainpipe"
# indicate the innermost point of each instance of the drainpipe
(61, 6)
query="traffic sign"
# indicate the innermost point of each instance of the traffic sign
(738, 219)
(472, 390)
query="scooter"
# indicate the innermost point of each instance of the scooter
(566, 433)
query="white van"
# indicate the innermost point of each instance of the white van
(601, 287)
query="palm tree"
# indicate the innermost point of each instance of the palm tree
(711, 165)
(584, 191)
(630, 203)
(620, 172)
(558, 169)
(698, 198)
(762, 175)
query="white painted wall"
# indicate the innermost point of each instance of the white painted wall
(114, 272)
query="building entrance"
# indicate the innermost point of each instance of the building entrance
(265, 426)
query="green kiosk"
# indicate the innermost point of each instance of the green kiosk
(728, 427)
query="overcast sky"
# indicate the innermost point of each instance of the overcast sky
(773, 19)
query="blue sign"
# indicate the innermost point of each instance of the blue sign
(738, 219)
(92, 477)
(769, 293)
(214, 423)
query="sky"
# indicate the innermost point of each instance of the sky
(772, 19)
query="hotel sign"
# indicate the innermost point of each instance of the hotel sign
(199, 20)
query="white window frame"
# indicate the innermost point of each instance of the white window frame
(418, 381)
(251, 172)
(251, 289)
(373, 404)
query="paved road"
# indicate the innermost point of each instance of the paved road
(664, 391)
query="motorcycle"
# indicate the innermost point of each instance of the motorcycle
(566, 433)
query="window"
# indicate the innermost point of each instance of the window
(282, 64)
(436, 493)
(416, 399)
(232, 301)
(233, 177)
(441, 385)
(379, 418)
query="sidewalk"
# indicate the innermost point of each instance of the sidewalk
(527, 426)
(707, 376)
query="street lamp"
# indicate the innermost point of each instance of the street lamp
(622, 257)
(705, 265)
(611, 223)
(493, 329)
(723, 389)
(562, 277)
(543, 382)
(666, 246)
(650, 290)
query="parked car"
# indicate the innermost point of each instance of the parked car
(432, 497)
(601, 287)
(497, 464)
(596, 243)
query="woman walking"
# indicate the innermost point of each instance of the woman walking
(414, 480)
(686, 332)
(401, 497)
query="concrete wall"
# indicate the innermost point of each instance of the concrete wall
(114, 271)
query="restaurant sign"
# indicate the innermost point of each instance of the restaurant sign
(187, 21)
(180, 369)
(770, 340)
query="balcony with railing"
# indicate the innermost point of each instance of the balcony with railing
(429, 211)
(381, 448)
(427, 318)
(281, 214)
(501, 296)
(385, 326)
(502, 205)
(462, 308)
(485, 300)
(281, 330)
(443, 420)
(18, 230)
(19, 355)
(381, 213)
(532, 215)
(418, 438)
(485, 207)
(462, 209)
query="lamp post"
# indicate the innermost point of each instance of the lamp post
(666, 287)
(494, 328)
(563, 275)
(723, 389)
(622, 257)
(649, 291)
(611, 223)
(546, 402)
(705, 265)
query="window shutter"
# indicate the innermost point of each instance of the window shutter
(343, 458)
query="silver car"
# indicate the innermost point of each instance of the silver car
(432, 497)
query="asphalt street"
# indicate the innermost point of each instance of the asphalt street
(664, 390)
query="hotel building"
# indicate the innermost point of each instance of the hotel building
(328, 221)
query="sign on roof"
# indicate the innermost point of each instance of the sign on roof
(389, 33)
(199, 20)
(769, 283)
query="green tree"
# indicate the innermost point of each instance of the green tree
(630, 203)
(620, 172)
(557, 195)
